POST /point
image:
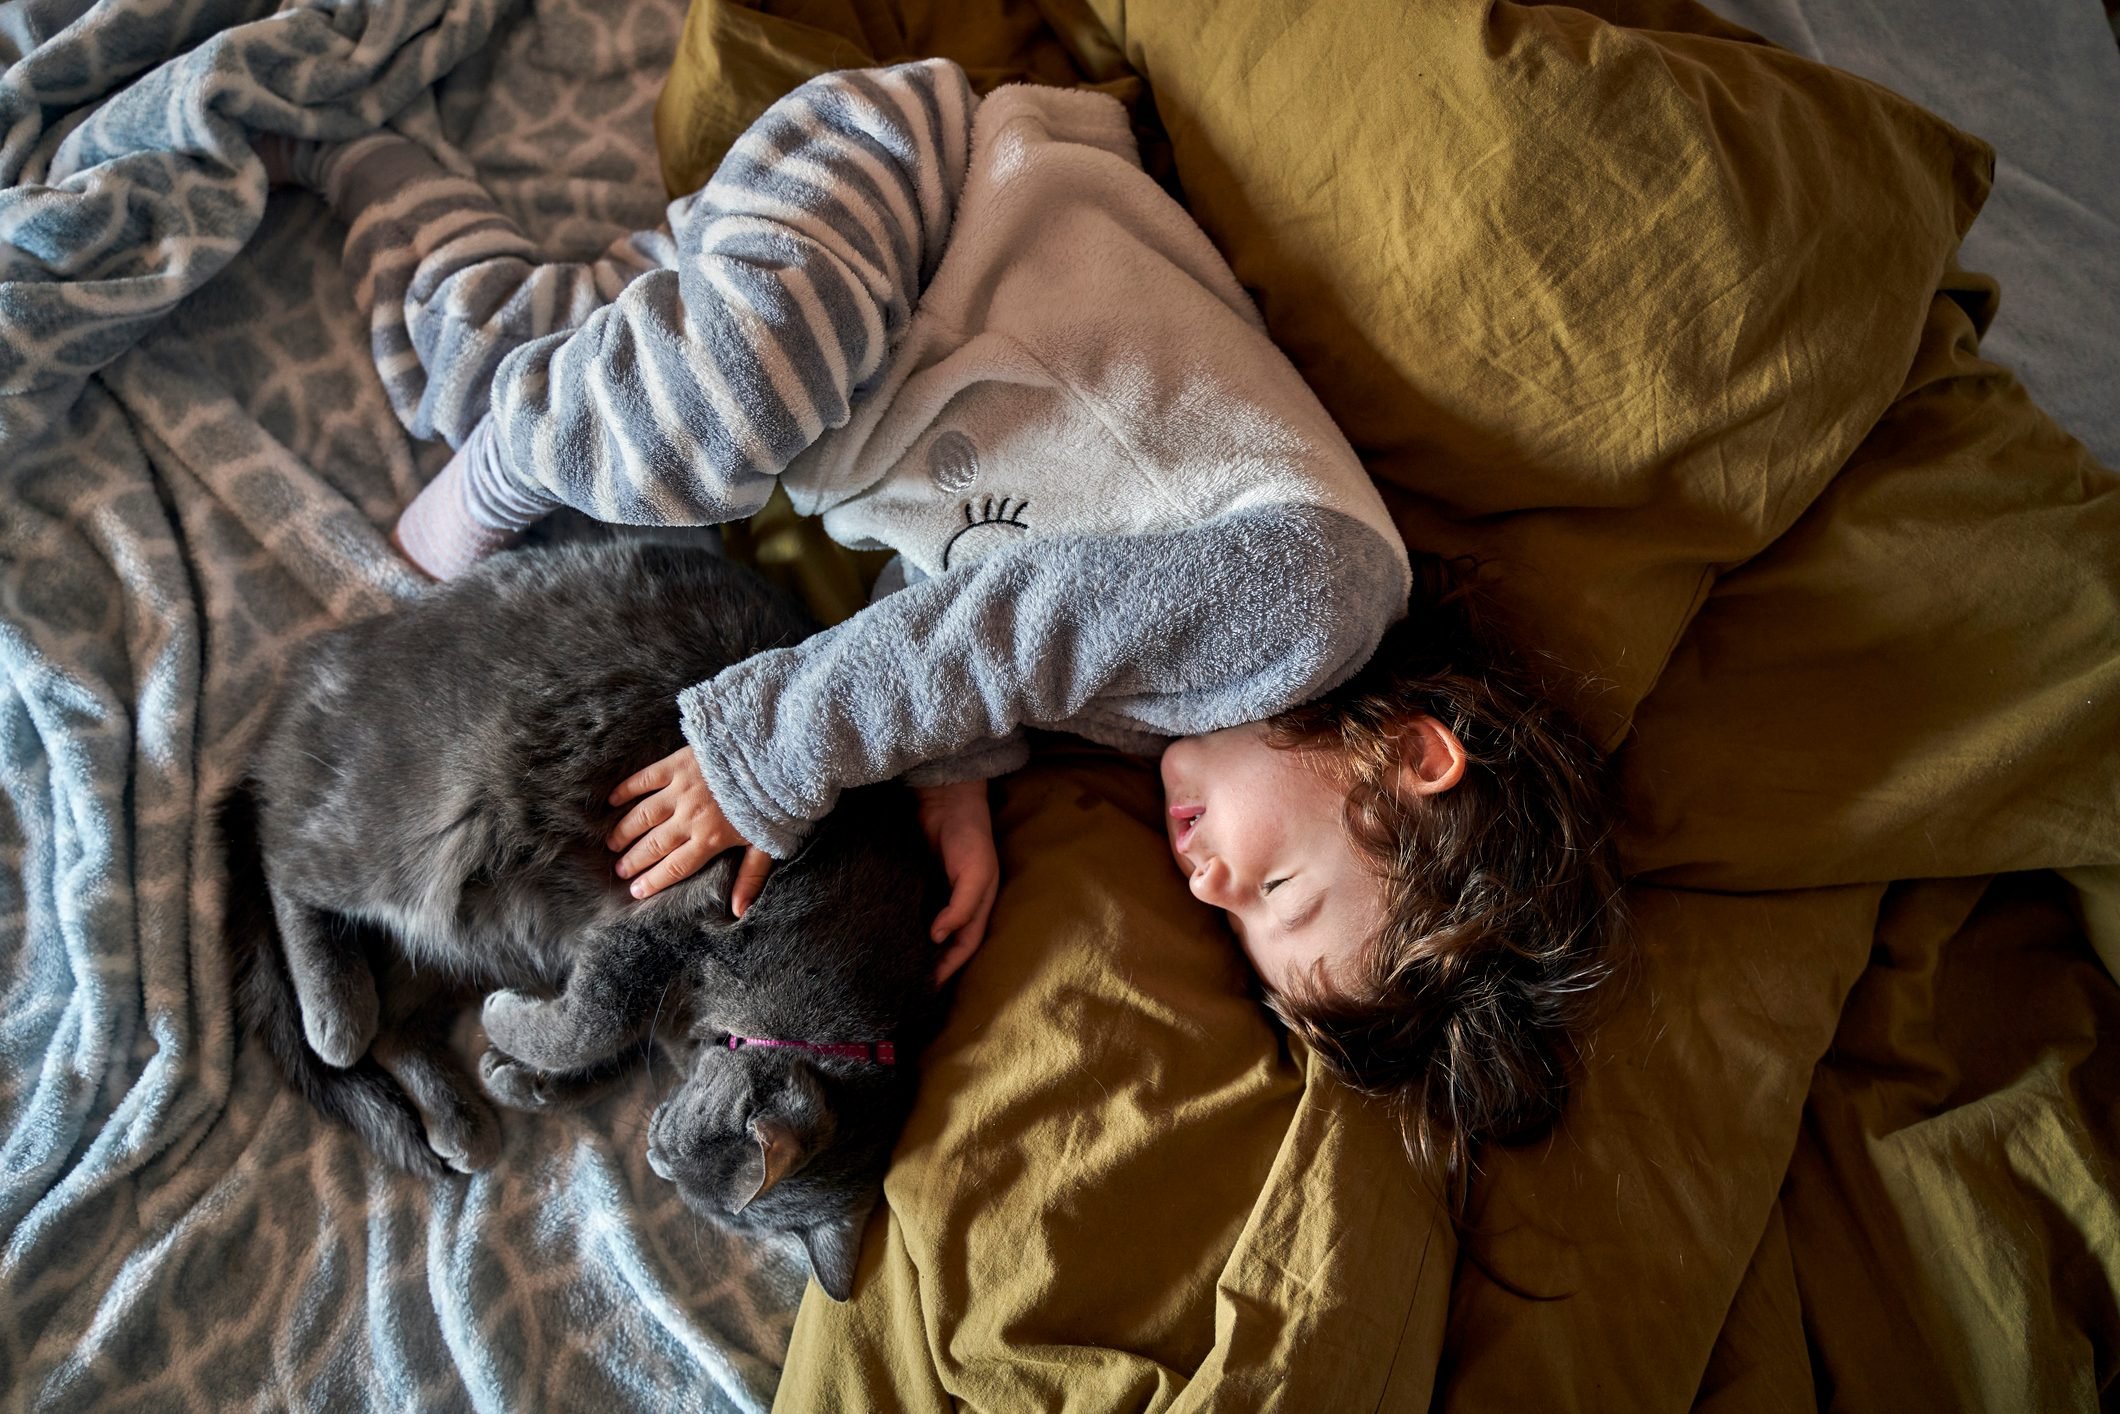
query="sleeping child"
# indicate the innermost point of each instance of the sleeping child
(975, 332)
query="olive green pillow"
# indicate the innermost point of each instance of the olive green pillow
(1604, 295)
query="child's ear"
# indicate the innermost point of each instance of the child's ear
(1431, 758)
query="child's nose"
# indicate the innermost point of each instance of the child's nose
(1210, 883)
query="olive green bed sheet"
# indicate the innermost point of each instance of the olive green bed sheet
(1663, 325)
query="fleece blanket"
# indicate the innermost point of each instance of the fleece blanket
(199, 466)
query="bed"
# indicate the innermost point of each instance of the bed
(1690, 340)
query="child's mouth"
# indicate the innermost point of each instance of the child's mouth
(1184, 819)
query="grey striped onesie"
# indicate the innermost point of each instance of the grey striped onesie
(972, 331)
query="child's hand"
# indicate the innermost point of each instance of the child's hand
(679, 827)
(960, 827)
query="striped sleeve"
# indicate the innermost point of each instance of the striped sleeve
(668, 383)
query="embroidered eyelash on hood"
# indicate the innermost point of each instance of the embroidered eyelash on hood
(992, 510)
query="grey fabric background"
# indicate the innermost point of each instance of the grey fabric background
(2040, 80)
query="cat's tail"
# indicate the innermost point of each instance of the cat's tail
(363, 1096)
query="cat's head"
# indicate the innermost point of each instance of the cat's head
(835, 950)
(778, 1140)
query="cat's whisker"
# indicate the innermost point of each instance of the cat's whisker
(655, 1024)
(335, 770)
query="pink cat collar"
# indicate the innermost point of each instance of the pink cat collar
(879, 1052)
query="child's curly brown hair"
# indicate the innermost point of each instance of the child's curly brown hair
(1502, 894)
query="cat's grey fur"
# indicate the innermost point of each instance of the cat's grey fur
(429, 801)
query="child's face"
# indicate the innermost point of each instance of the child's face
(1259, 834)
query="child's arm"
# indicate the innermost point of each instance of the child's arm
(661, 396)
(1128, 639)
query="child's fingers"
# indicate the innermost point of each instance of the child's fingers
(955, 914)
(977, 927)
(965, 937)
(651, 849)
(638, 821)
(965, 894)
(679, 864)
(972, 934)
(649, 778)
(750, 879)
(960, 952)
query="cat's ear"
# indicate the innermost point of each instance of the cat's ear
(779, 1150)
(835, 1248)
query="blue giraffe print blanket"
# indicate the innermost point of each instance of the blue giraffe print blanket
(199, 468)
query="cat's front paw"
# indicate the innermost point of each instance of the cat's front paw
(511, 1083)
(526, 1027)
(524, 1087)
(562, 1033)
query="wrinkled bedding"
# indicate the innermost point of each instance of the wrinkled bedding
(2040, 83)
(197, 468)
(1850, 1129)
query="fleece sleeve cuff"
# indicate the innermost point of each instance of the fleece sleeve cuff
(713, 715)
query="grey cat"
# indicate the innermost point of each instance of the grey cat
(428, 808)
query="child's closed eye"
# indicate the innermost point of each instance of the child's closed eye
(1270, 885)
